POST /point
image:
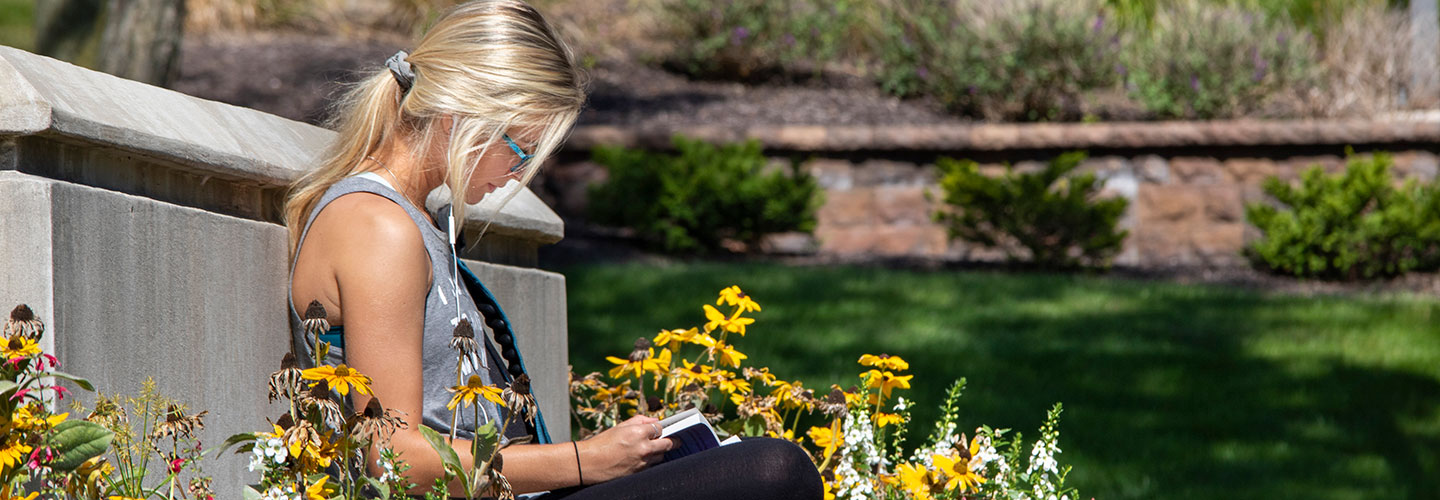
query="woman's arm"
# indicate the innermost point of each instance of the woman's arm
(382, 272)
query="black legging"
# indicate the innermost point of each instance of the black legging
(753, 469)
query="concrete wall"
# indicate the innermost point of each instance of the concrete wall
(141, 225)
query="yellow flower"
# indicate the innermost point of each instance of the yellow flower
(673, 338)
(960, 469)
(762, 373)
(733, 324)
(19, 347)
(472, 388)
(13, 454)
(732, 296)
(827, 438)
(691, 373)
(828, 494)
(915, 479)
(340, 378)
(732, 385)
(886, 381)
(318, 491)
(883, 419)
(25, 419)
(885, 361)
(728, 355)
(122, 497)
(651, 364)
(5, 495)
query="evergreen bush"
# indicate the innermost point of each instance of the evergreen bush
(747, 39)
(692, 200)
(1053, 216)
(1353, 225)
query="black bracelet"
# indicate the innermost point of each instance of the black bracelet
(577, 463)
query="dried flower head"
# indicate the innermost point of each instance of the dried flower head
(518, 397)
(314, 321)
(177, 424)
(375, 423)
(463, 339)
(286, 382)
(23, 323)
(642, 350)
(108, 413)
(300, 435)
(318, 400)
(200, 489)
(499, 486)
(833, 404)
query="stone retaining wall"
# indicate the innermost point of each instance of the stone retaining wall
(1188, 182)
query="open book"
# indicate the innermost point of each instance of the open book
(692, 434)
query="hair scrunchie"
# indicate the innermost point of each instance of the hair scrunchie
(400, 68)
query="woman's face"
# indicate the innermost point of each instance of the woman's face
(495, 167)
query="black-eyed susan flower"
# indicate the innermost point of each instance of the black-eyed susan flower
(474, 387)
(288, 381)
(647, 363)
(834, 404)
(732, 296)
(19, 347)
(916, 480)
(886, 381)
(30, 417)
(375, 423)
(340, 378)
(299, 437)
(762, 373)
(314, 320)
(828, 439)
(177, 423)
(960, 468)
(672, 338)
(12, 453)
(884, 362)
(883, 419)
(734, 324)
(727, 353)
(463, 339)
(518, 397)
(318, 400)
(690, 373)
(318, 490)
(23, 323)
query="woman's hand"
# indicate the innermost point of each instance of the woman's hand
(622, 450)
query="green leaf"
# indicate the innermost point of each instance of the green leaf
(487, 437)
(78, 441)
(236, 439)
(382, 488)
(447, 454)
(83, 383)
(7, 386)
(249, 493)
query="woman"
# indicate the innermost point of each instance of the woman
(487, 96)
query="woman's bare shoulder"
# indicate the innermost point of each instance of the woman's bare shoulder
(364, 232)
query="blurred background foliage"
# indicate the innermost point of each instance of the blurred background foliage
(1016, 60)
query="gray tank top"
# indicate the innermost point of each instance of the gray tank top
(443, 311)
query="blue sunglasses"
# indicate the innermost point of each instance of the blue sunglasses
(524, 157)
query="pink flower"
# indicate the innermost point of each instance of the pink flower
(59, 391)
(54, 363)
(20, 394)
(175, 465)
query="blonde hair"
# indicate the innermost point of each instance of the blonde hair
(490, 64)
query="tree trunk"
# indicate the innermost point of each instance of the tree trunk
(1425, 34)
(64, 27)
(142, 40)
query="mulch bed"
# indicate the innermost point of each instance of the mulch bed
(294, 75)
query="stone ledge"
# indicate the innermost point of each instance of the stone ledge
(55, 100)
(1033, 136)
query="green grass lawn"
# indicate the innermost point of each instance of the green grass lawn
(17, 23)
(1170, 391)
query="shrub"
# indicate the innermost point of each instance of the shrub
(1205, 61)
(1022, 60)
(1357, 224)
(1051, 214)
(742, 39)
(692, 200)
